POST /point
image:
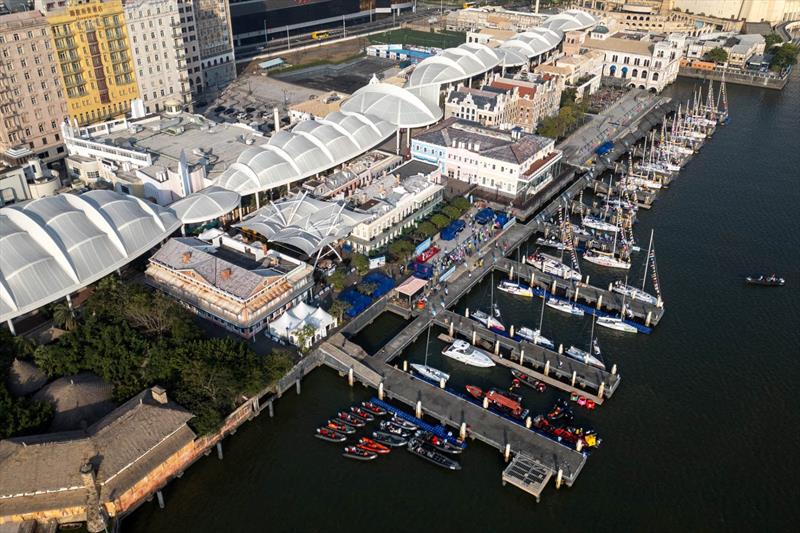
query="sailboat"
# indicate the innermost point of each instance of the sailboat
(535, 335)
(487, 319)
(565, 307)
(429, 372)
(617, 323)
(606, 259)
(636, 293)
(515, 287)
(588, 358)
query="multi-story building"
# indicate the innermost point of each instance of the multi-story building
(507, 166)
(93, 55)
(158, 47)
(237, 285)
(641, 60)
(740, 48)
(211, 22)
(534, 97)
(395, 201)
(32, 103)
(316, 107)
(491, 106)
(494, 17)
(28, 181)
(772, 11)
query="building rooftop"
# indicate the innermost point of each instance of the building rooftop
(385, 193)
(320, 106)
(79, 400)
(621, 42)
(482, 98)
(485, 141)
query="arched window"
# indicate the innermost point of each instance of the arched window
(655, 76)
(612, 69)
(635, 73)
(644, 74)
(624, 72)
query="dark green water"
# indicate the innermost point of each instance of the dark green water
(702, 434)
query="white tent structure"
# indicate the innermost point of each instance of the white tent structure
(207, 204)
(54, 246)
(289, 325)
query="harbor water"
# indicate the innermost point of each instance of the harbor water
(702, 433)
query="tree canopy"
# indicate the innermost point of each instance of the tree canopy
(18, 416)
(717, 55)
(360, 262)
(460, 203)
(771, 40)
(401, 249)
(784, 57)
(440, 221)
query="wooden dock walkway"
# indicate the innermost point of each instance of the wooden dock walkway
(527, 474)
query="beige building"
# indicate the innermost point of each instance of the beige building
(491, 106)
(491, 37)
(32, 103)
(157, 43)
(772, 11)
(212, 26)
(316, 107)
(534, 98)
(656, 16)
(494, 17)
(28, 181)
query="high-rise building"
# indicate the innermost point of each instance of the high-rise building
(212, 28)
(157, 43)
(32, 103)
(94, 57)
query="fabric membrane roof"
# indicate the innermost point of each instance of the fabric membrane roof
(411, 286)
(306, 223)
(311, 147)
(394, 104)
(53, 246)
(207, 204)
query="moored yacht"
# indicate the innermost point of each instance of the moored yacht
(466, 353)
(428, 372)
(599, 224)
(634, 293)
(518, 289)
(585, 357)
(551, 265)
(488, 320)
(606, 259)
(535, 336)
(550, 243)
(617, 324)
(565, 307)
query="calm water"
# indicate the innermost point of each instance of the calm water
(701, 435)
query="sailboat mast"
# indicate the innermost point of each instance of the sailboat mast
(427, 344)
(647, 260)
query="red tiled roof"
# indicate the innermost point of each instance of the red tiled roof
(523, 89)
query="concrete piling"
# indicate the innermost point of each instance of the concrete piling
(219, 450)
(577, 291)
(559, 476)
(351, 378)
(452, 329)
(614, 369)
(441, 383)
(610, 286)
(533, 279)
(547, 368)
(297, 386)
(466, 312)
(600, 301)
(507, 453)
(474, 337)
(648, 319)
(512, 331)
(528, 422)
(462, 432)
(160, 496)
(587, 279)
(485, 402)
(511, 272)
(579, 445)
(522, 356)
(380, 390)
(574, 375)
(497, 347)
(418, 409)
(405, 365)
(601, 390)
(553, 288)
(271, 409)
(560, 348)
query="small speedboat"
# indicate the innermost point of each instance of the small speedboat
(517, 289)
(339, 425)
(765, 281)
(617, 324)
(428, 372)
(350, 420)
(360, 454)
(329, 435)
(584, 357)
(506, 402)
(372, 446)
(443, 445)
(388, 427)
(565, 307)
(530, 381)
(389, 439)
(402, 423)
(421, 449)
(466, 353)
(362, 413)
(374, 409)
(535, 336)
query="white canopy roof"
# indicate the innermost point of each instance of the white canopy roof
(299, 316)
(312, 146)
(56, 245)
(393, 104)
(305, 223)
(207, 204)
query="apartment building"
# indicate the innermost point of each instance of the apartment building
(491, 106)
(93, 55)
(534, 97)
(212, 27)
(32, 102)
(157, 43)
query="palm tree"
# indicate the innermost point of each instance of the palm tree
(63, 316)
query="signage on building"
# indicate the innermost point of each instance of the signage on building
(377, 262)
(421, 247)
(450, 272)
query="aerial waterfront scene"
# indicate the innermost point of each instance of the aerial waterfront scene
(340, 266)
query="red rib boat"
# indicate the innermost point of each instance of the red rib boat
(372, 446)
(505, 401)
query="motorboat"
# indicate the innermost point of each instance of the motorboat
(402, 423)
(599, 224)
(565, 307)
(351, 420)
(530, 381)
(584, 357)
(330, 435)
(535, 336)
(551, 265)
(765, 281)
(428, 372)
(443, 445)
(616, 324)
(372, 408)
(392, 429)
(487, 320)
(517, 289)
(389, 439)
(426, 451)
(570, 434)
(372, 446)
(634, 293)
(550, 243)
(506, 402)
(362, 414)
(338, 425)
(466, 353)
(606, 259)
(360, 454)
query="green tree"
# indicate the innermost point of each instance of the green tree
(784, 57)
(451, 211)
(440, 221)
(717, 55)
(360, 262)
(567, 96)
(366, 288)
(278, 364)
(63, 316)
(305, 338)
(771, 40)
(426, 229)
(401, 249)
(461, 203)
(339, 308)
(338, 279)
